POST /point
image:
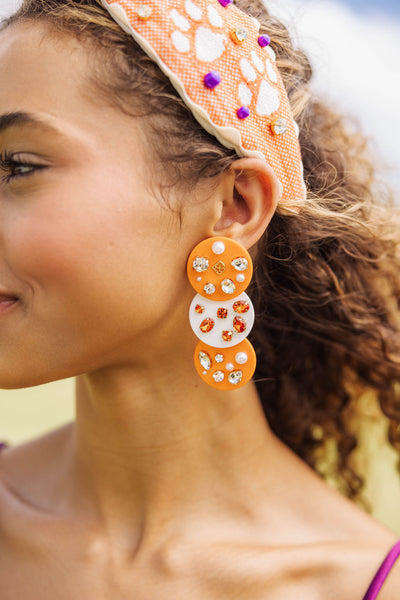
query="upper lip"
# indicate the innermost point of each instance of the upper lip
(7, 295)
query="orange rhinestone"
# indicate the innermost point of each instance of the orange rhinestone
(207, 325)
(227, 335)
(241, 306)
(222, 313)
(199, 309)
(239, 324)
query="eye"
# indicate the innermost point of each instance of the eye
(15, 168)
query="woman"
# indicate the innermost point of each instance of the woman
(165, 487)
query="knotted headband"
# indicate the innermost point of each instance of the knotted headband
(225, 72)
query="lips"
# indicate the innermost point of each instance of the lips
(7, 298)
(7, 301)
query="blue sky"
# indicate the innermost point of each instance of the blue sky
(389, 6)
(355, 55)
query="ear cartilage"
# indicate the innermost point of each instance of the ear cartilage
(221, 314)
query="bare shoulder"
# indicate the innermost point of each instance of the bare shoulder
(322, 548)
(357, 564)
(391, 587)
(362, 544)
(19, 460)
(25, 469)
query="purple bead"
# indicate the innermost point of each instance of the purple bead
(264, 40)
(212, 79)
(225, 3)
(243, 112)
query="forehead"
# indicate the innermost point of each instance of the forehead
(38, 69)
(47, 74)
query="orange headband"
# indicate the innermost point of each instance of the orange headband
(225, 72)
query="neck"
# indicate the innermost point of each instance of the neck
(152, 446)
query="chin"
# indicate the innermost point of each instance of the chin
(17, 380)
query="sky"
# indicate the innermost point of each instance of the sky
(390, 6)
(355, 54)
(354, 47)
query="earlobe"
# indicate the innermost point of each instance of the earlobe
(250, 201)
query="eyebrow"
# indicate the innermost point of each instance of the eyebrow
(18, 119)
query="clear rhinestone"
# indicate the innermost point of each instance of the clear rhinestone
(218, 376)
(200, 264)
(209, 288)
(228, 286)
(218, 247)
(279, 126)
(240, 263)
(239, 34)
(230, 367)
(241, 358)
(144, 12)
(205, 360)
(219, 358)
(235, 377)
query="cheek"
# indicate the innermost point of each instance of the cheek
(98, 254)
(51, 235)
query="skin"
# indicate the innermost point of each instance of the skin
(162, 487)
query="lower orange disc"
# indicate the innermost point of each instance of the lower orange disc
(225, 368)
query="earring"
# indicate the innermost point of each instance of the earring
(221, 314)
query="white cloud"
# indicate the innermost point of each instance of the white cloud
(8, 6)
(355, 59)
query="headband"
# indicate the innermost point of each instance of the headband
(225, 72)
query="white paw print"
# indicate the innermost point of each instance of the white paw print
(209, 45)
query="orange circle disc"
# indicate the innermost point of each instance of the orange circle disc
(225, 368)
(219, 268)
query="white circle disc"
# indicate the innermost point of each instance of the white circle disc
(214, 337)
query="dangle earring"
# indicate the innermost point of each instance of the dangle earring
(221, 314)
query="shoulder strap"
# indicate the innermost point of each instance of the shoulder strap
(3, 445)
(383, 572)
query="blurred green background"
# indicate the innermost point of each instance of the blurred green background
(28, 413)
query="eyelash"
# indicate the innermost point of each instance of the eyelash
(7, 163)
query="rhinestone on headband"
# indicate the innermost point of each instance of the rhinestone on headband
(239, 35)
(212, 79)
(144, 12)
(225, 72)
(279, 126)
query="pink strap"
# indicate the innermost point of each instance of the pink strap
(383, 572)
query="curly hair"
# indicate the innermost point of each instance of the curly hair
(326, 284)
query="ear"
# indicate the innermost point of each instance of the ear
(251, 194)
